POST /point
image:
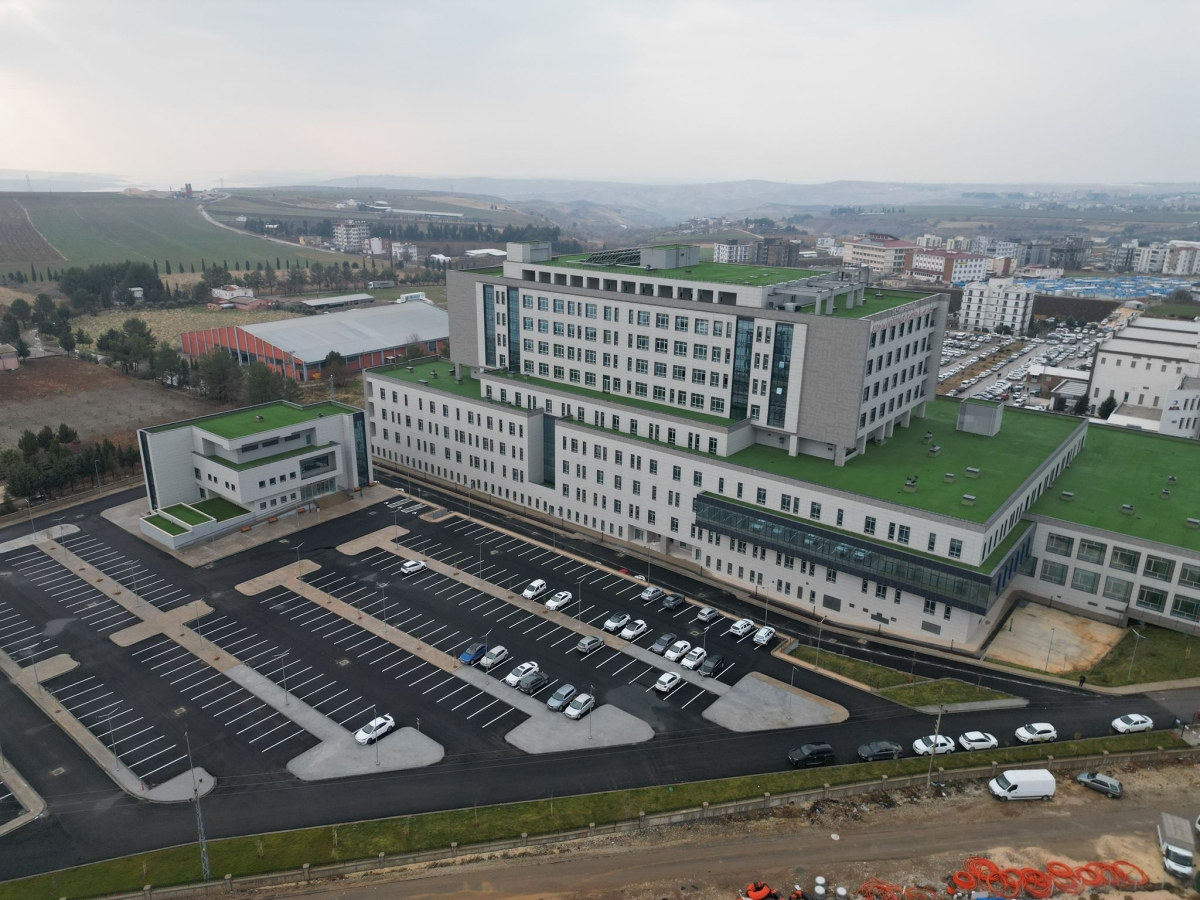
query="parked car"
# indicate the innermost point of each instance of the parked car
(978, 740)
(473, 653)
(667, 682)
(694, 658)
(535, 589)
(713, 666)
(764, 635)
(412, 567)
(652, 593)
(1023, 784)
(634, 630)
(494, 657)
(1133, 722)
(741, 627)
(664, 641)
(559, 600)
(514, 677)
(374, 730)
(1037, 733)
(877, 750)
(1098, 781)
(533, 682)
(708, 614)
(671, 601)
(933, 744)
(560, 698)
(589, 644)
(616, 622)
(808, 755)
(677, 650)
(580, 706)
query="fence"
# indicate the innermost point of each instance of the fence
(230, 885)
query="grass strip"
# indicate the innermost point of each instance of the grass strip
(219, 508)
(165, 525)
(1162, 655)
(258, 854)
(941, 690)
(870, 674)
(187, 514)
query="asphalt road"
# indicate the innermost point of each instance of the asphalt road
(89, 819)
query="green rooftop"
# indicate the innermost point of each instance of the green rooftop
(1005, 461)
(244, 422)
(443, 381)
(266, 460)
(710, 272)
(877, 301)
(1120, 466)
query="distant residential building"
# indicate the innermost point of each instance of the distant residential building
(946, 266)
(1121, 258)
(1001, 266)
(1183, 258)
(996, 303)
(230, 292)
(1148, 367)
(440, 259)
(377, 246)
(959, 242)
(351, 236)
(828, 245)
(1149, 260)
(733, 252)
(312, 240)
(882, 253)
(136, 293)
(1039, 272)
(404, 252)
(932, 241)
(9, 359)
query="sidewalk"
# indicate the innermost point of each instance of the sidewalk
(24, 793)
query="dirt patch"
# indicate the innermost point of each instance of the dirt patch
(168, 324)
(19, 240)
(94, 400)
(1039, 634)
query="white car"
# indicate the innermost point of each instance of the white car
(580, 706)
(559, 600)
(411, 567)
(615, 622)
(374, 730)
(1133, 722)
(494, 657)
(634, 630)
(978, 740)
(935, 744)
(1037, 733)
(708, 614)
(678, 650)
(536, 588)
(651, 593)
(667, 682)
(513, 677)
(764, 635)
(741, 627)
(695, 656)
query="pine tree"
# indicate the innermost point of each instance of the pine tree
(168, 267)
(277, 264)
(193, 268)
(156, 267)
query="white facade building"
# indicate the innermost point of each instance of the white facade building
(946, 266)
(1149, 260)
(1145, 366)
(882, 253)
(733, 252)
(1183, 258)
(998, 302)
(351, 236)
(231, 292)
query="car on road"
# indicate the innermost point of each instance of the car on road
(634, 630)
(677, 650)
(535, 589)
(651, 593)
(708, 614)
(494, 657)
(741, 627)
(935, 744)
(589, 644)
(533, 682)
(473, 653)
(809, 755)
(764, 635)
(412, 567)
(877, 750)
(664, 641)
(559, 699)
(559, 600)
(695, 657)
(1037, 733)
(1105, 784)
(713, 666)
(616, 621)
(1132, 722)
(671, 601)
(580, 706)
(374, 730)
(514, 677)
(667, 682)
(978, 740)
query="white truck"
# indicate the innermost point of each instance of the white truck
(1023, 784)
(1177, 845)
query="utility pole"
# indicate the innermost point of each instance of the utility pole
(1137, 639)
(937, 731)
(817, 664)
(204, 867)
(298, 546)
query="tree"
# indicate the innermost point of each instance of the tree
(66, 339)
(28, 444)
(1081, 405)
(43, 310)
(66, 434)
(335, 369)
(221, 376)
(10, 329)
(82, 337)
(19, 309)
(261, 385)
(22, 349)
(45, 437)
(168, 268)
(1107, 407)
(167, 364)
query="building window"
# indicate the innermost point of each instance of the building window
(761, 496)
(697, 479)
(1091, 551)
(946, 611)
(1059, 545)
(1158, 568)
(1152, 599)
(1083, 580)
(903, 536)
(1117, 589)
(814, 511)
(1053, 572)
(1189, 575)
(930, 607)
(1124, 560)
(676, 473)
(1185, 607)
(869, 525)
(785, 502)
(955, 548)
(674, 524)
(932, 543)
(881, 591)
(831, 575)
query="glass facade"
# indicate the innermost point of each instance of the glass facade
(743, 355)
(781, 365)
(489, 325)
(360, 449)
(514, 330)
(548, 449)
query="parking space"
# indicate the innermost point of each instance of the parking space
(77, 598)
(130, 573)
(9, 807)
(23, 641)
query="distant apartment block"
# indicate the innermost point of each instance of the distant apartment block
(1183, 258)
(351, 236)
(996, 303)
(946, 266)
(231, 292)
(733, 252)
(404, 252)
(884, 254)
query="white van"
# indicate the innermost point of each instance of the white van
(1023, 784)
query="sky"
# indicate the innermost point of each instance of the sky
(163, 92)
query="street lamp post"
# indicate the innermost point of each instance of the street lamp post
(96, 469)
(937, 731)
(820, 627)
(1046, 667)
(298, 546)
(283, 656)
(1137, 639)
(374, 716)
(382, 585)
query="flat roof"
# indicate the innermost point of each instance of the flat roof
(318, 302)
(355, 331)
(242, 423)
(878, 301)
(1119, 466)
(1005, 461)
(444, 381)
(708, 272)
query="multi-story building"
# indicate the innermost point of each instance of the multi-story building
(1149, 260)
(351, 236)
(1183, 258)
(930, 241)
(1147, 368)
(404, 252)
(777, 252)
(995, 304)
(744, 425)
(733, 252)
(884, 254)
(218, 472)
(946, 266)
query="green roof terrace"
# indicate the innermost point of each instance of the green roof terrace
(1119, 467)
(241, 423)
(708, 272)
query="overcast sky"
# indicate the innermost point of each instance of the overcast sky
(161, 91)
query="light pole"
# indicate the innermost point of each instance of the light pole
(766, 607)
(592, 692)
(1046, 667)
(937, 731)
(1137, 639)
(486, 643)
(285, 690)
(374, 716)
(298, 546)
(96, 469)
(382, 585)
(204, 868)
(579, 593)
(820, 626)
(58, 526)
(479, 570)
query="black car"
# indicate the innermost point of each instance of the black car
(671, 601)
(808, 755)
(533, 682)
(664, 641)
(713, 666)
(877, 750)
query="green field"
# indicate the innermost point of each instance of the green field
(1174, 311)
(941, 690)
(104, 227)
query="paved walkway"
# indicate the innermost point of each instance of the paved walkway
(1052, 640)
(46, 534)
(758, 703)
(24, 793)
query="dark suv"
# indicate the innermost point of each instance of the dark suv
(808, 755)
